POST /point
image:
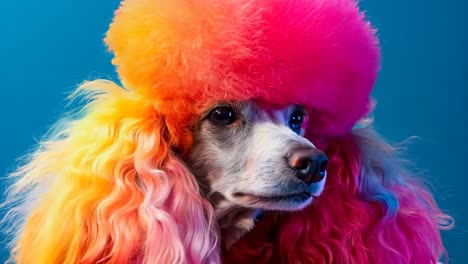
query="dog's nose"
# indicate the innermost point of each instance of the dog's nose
(310, 164)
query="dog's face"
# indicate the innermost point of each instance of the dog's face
(257, 157)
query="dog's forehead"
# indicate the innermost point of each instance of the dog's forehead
(263, 111)
(262, 107)
(254, 110)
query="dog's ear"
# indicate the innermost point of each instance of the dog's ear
(410, 224)
(105, 187)
(373, 210)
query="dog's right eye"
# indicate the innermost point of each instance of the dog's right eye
(222, 116)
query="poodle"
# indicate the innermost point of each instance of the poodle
(238, 135)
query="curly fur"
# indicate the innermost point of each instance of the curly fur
(372, 211)
(115, 191)
(321, 54)
(110, 184)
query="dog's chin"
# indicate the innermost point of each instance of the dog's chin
(288, 202)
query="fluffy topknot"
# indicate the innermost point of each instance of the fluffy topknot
(188, 53)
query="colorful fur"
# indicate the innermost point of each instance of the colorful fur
(372, 211)
(106, 186)
(185, 54)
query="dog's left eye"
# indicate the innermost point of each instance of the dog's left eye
(222, 116)
(295, 123)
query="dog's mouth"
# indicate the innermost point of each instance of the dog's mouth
(299, 197)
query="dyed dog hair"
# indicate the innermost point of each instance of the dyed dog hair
(110, 185)
(373, 210)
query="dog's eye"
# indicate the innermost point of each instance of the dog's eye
(222, 116)
(295, 123)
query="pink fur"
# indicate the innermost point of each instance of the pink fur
(372, 211)
(187, 55)
(324, 57)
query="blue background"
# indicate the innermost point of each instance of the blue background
(48, 47)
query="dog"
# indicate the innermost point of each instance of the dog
(239, 134)
(247, 159)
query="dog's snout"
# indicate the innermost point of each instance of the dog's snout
(310, 164)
